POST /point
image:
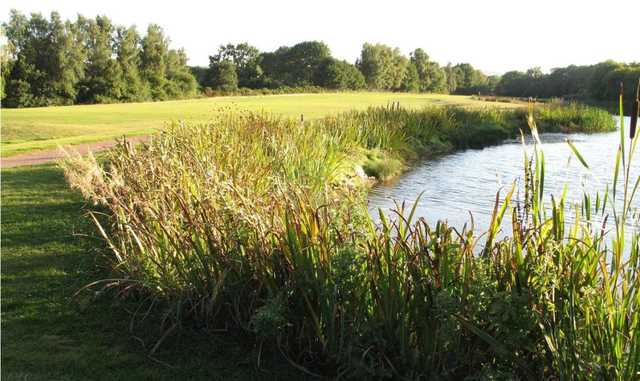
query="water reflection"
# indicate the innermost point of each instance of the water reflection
(467, 181)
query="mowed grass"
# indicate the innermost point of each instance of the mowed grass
(49, 335)
(25, 130)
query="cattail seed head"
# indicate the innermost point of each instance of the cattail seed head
(635, 110)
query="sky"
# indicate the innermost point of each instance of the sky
(493, 35)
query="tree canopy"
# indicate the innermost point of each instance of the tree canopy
(340, 75)
(431, 77)
(245, 60)
(383, 67)
(295, 65)
(56, 62)
(596, 82)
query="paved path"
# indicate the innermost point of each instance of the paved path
(47, 156)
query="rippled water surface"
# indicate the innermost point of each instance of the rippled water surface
(467, 181)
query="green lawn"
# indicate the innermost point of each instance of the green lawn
(31, 129)
(48, 253)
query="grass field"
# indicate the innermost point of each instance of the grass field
(31, 129)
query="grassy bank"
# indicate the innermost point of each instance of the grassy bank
(267, 237)
(391, 138)
(611, 106)
(25, 130)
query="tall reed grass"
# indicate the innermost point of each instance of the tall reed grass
(556, 117)
(257, 224)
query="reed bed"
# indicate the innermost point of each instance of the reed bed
(257, 225)
(557, 117)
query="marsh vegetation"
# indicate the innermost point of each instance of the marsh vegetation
(257, 225)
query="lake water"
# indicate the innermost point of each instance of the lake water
(466, 182)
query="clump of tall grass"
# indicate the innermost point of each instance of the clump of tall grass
(256, 224)
(588, 295)
(194, 213)
(574, 117)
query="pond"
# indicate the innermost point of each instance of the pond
(465, 182)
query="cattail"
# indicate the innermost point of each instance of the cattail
(635, 110)
(621, 93)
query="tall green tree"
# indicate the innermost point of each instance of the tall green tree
(535, 82)
(451, 80)
(127, 49)
(246, 59)
(512, 83)
(296, 65)
(437, 78)
(6, 63)
(383, 67)
(51, 62)
(65, 59)
(272, 64)
(21, 86)
(411, 80)
(224, 76)
(420, 59)
(180, 81)
(467, 76)
(303, 59)
(626, 75)
(599, 78)
(400, 71)
(432, 77)
(46, 60)
(469, 80)
(201, 74)
(339, 75)
(103, 81)
(75, 57)
(155, 48)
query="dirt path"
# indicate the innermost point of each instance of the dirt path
(47, 156)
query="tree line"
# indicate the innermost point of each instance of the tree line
(310, 63)
(600, 82)
(54, 62)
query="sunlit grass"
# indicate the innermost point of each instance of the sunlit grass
(30, 129)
